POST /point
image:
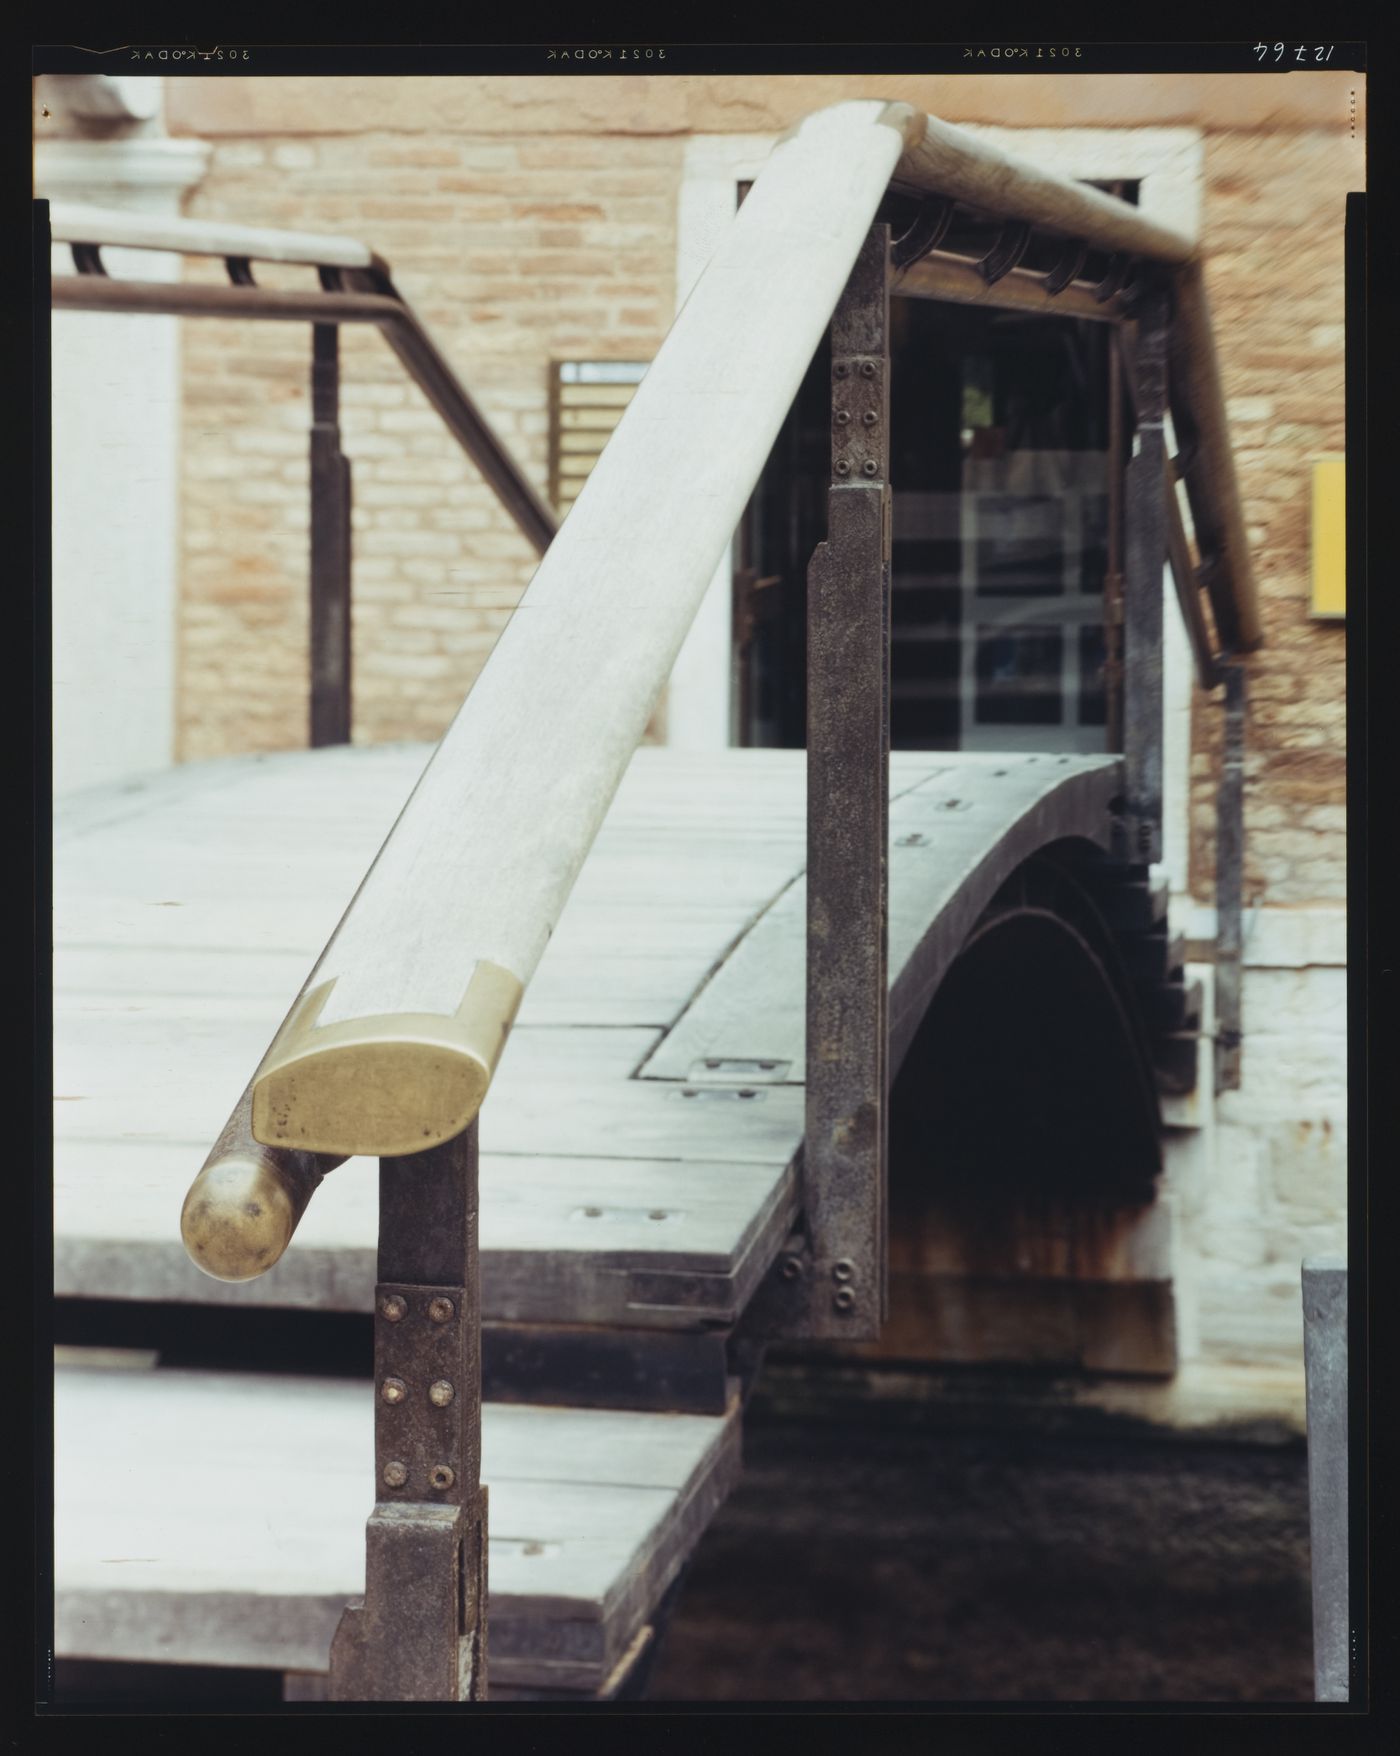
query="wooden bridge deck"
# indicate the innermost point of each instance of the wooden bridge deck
(638, 1169)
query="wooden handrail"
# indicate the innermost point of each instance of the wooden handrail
(73, 223)
(392, 1043)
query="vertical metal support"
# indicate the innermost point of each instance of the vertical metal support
(419, 1633)
(330, 547)
(1113, 571)
(1325, 1365)
(1229, 886)
(1146, 546)
(848, 749)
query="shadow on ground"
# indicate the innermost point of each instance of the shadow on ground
(853, 1564)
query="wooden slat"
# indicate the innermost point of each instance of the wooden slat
(72, 222)
(592, 1513)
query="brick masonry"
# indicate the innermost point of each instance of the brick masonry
(514, 253)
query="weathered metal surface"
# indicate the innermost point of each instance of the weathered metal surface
(1142, 603)
(419, 1633)
(402, 330)
(848, 743)
(330, 547)
(1229, 886)
(1325, 1362)
(1188, 590)
(958, 281)
(1013, 240)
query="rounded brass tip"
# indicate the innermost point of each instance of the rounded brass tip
(238, 1218)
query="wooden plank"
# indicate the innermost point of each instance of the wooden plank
(592, 1513)
(74, 222)
(562, 1239)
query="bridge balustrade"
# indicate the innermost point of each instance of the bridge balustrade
(390, 1047)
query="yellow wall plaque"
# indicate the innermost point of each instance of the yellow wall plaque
(1329, 537)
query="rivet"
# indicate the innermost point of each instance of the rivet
(870, 466)
(840, 369)
(870, 417)
(867, 369)
(393, 1390)
(441, 1393)
(843, 417)
(791, 1268)
(395, 1474)
(843, 1270)
(592, 1213)
(392, 1308)
(441, 1476)
(842, 467)
(657, 1213)
(844, 1300)
(441, 1310)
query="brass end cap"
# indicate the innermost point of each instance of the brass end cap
(238, 1218)
(387, 1086)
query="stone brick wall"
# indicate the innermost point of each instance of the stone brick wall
(514, 252)
(1274, 209)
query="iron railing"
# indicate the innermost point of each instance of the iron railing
(355, 286)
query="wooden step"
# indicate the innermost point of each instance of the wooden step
(218, 1518)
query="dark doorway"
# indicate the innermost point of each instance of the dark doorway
(1002, 467)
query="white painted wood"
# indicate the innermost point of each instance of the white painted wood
(74, 222)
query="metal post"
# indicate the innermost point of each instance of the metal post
(330, 547)
(1229, 886)
(848, 747)
(1325, 1365)
(1113, 571)
(1142, 601)
(419, 1634)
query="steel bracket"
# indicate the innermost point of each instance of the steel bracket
(835, 1286)
(1140, 827)
(1229, 886)
(419, 1632)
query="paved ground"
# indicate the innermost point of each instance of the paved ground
(886, 1564)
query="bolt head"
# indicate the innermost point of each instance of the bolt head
(842, 467)
(791, 1268)
(441, 1476)
(843, 417)
(870, 417)
(395, 1474)
(870, 466)
(441, 1393)
(843, 1270)
(867, 368)
(392, 1308)
(840, 369)
(441, 1310)
(393, 1390)
(844, 1300)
